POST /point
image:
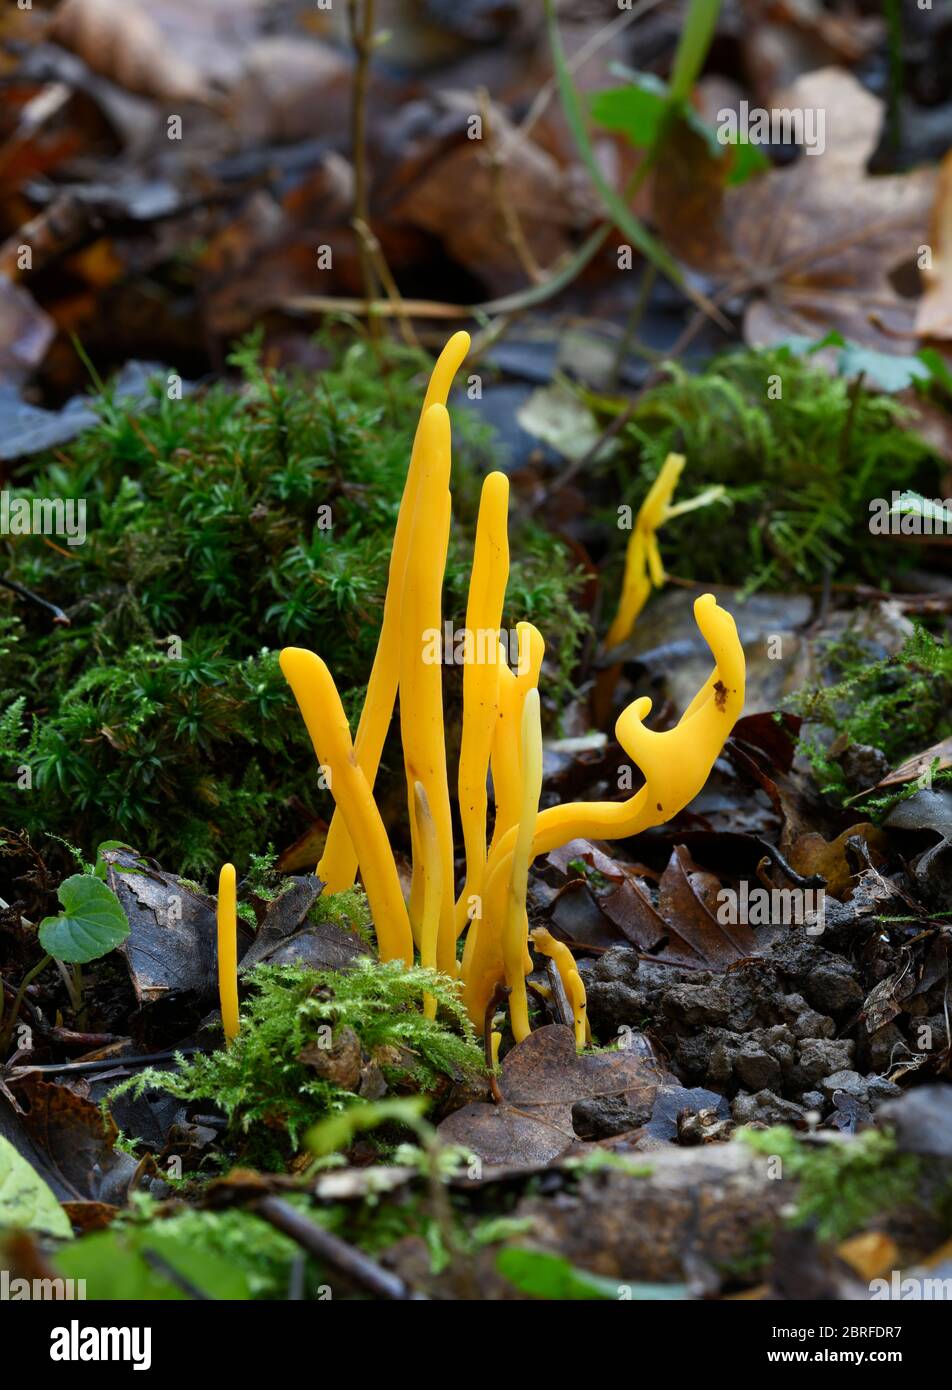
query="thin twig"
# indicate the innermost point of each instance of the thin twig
(333, 1251)
(59, 616)
(512, 227)
(361, 21)
(375, 251)
(104, 1063)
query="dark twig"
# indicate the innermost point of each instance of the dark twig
(562, 1006)
(346, 1259)
(105, 1063)
(59, 617)
(167, 1271)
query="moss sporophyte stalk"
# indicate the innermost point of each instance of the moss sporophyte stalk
(501, 730)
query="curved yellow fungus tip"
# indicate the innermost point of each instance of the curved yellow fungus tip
(227, 919)
(323, 714)
(676, 763)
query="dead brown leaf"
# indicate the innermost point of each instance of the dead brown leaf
(913, 768)
(818, 242)
(687, 900)
(541, 1079)
(812, 854)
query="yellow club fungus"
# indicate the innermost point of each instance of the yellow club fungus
(323, 714)
(501, 726)
(227, 918)
(481, 678)
(515, 930)
(644, 568)
(421, 671)
(339, 862)
(429, 851)
(545, 943)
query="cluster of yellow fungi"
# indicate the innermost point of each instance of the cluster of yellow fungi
(501, 733)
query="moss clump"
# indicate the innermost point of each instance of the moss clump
(799, 469)
(900, 704)
(271, 1096)
(842, 1187)
(220, 528)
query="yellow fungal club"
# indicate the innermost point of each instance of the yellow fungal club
(501, 731)
(227, 915)
(643, 564)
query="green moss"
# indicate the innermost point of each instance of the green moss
(799, 470)
(900, 704)
(271, 1096)
(844, 1186)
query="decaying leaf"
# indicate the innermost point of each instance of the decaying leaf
(812, 854)
(64, 1137)
(541, 1079)
(171, 942)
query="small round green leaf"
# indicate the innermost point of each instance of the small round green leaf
(92, 921)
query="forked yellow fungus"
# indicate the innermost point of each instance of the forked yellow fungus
(644, 567)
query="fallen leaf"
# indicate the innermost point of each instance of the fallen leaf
(65, 1138)
(26, 1201)
(687, 900)
(914, 768)
(812, 854)
(171, 944)
(541, 1079)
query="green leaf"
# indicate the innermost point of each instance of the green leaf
(636, 111)
(26, 1202)
(91, 924)
(544, 1275)
(142, 1265)
(938, 367)
(748, 160)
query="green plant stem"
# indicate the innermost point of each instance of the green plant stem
(693, 45)
(621, 215)
(27, 980)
